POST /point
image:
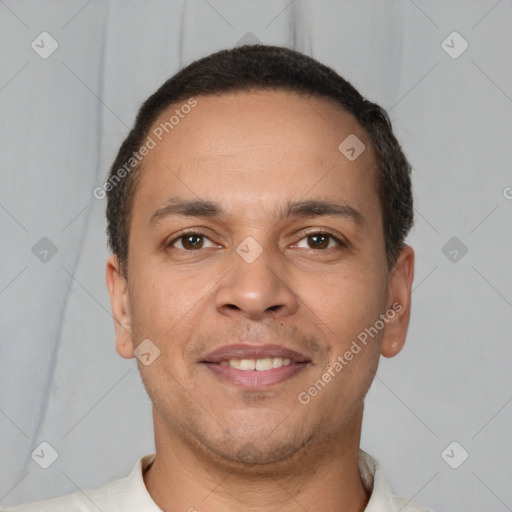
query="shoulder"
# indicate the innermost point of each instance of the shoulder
(76, 502)
(381, 496)
(124, 495)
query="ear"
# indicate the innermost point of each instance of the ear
(120, 305)
(399, 303)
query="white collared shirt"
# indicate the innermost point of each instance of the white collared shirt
(129, 494)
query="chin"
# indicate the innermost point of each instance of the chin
(260, 456)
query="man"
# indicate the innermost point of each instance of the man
(257, 213)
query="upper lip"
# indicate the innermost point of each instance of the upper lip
(246, 351)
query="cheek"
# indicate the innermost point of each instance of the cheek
(346, 302)
(150, 300)
(343, 312)
(162, 300)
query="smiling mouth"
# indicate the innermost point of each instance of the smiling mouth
(255, 367)
(261, 365)
(253, 378)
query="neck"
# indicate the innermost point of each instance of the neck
(323, 477)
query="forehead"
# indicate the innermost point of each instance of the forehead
(246, 121)
(256, 147)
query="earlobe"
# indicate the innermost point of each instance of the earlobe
(120, 305)
(391, 349)
(399, 303)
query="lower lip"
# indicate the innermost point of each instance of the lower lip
(255, 378)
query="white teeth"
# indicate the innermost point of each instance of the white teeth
(247, 364)
(277, 362)
(264, 364)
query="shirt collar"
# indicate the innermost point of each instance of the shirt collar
(137, 495)
(372, 476)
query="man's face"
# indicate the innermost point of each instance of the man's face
(254, 281)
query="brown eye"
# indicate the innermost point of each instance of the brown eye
(320, 240)
(191, 241)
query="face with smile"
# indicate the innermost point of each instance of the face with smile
(256, 257)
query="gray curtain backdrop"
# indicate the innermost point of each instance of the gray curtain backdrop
(72, 76)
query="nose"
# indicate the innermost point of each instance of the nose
(256, 289)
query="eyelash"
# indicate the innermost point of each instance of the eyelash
(311, 233)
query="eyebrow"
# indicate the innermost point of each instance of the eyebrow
(302, 209)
